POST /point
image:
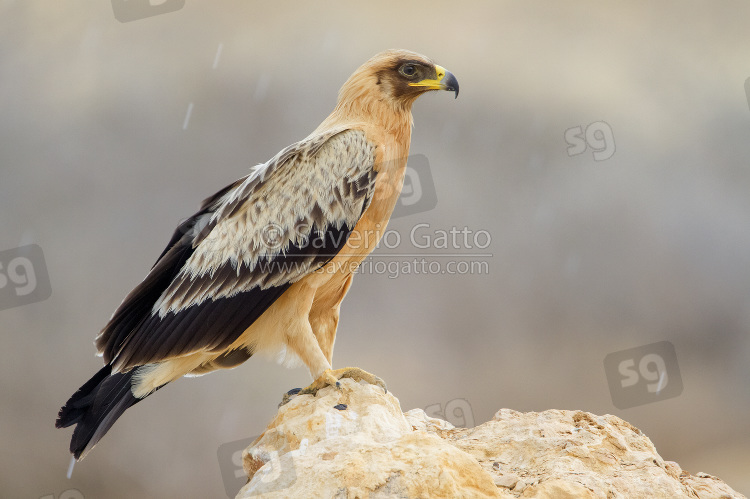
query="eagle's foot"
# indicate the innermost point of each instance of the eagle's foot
(356, 374)
(331, 377)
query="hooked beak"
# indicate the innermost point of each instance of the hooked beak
(444, 80)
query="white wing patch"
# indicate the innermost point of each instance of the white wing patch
(320, 183)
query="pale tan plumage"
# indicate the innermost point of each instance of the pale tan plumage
(264, 265)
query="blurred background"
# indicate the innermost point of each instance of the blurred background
(113, 132)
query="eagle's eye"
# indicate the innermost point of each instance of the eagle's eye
(408, 70)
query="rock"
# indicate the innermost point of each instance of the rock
(354, 442)
(508, 481)
(577, 454)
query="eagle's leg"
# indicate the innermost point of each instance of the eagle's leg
(323, 322)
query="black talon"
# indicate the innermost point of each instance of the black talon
(288, 396)
(340, 407)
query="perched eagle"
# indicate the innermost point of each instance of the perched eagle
(264, 264)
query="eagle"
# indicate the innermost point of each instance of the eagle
(265, 263)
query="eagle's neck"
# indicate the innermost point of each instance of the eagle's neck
(360, 103)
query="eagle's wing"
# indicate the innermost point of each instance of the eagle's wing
(248, 243)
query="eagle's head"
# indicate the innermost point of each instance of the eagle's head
(397, 77)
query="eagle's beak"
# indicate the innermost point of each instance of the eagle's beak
(444, 80)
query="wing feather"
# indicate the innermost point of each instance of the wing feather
(248, 243)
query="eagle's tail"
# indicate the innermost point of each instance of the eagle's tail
(95, 407)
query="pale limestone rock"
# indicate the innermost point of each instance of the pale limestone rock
(316, 448)
(560, 454)
(312, 449)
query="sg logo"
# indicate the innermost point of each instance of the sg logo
(457, 412)
(643, 375)
(23, 277)
(598, 136)
(234, 476)
(132, 10)
(418, 194)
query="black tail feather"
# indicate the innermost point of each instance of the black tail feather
(95, 407)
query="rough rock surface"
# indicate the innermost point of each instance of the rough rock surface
(367, 448)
